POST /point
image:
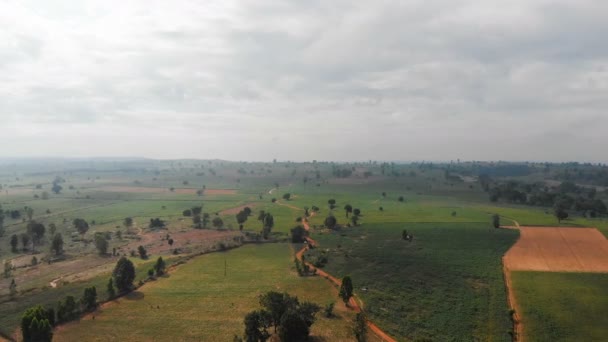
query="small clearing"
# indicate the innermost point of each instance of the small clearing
(556, 249)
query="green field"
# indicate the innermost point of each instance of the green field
(445, 285)
(562, 306)
(197, 302)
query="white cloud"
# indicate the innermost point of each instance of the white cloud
(305, 80)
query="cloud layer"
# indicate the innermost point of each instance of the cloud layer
(301, 80)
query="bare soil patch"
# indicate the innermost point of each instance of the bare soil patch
(235, 210)
(556, 249)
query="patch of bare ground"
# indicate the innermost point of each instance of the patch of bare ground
(558, 249)
(235, 210)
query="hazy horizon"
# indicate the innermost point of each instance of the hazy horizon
(339, 81)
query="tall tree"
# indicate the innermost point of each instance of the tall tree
(496, 221)
(57, 244)
(81, 225)
(159, 266)
(36, 326)
(101, 244)
(124, 274)
(331, 222)
(14, 243)
(348, 208)
(346, 289)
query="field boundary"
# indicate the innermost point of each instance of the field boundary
(518, 326)
(353, 305)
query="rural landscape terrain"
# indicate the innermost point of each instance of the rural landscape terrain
(213, 250)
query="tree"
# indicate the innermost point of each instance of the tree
(14, 243)
(268, 225)
(67, 309)
(330, 222)
(81, 225)
(29, 212)
(159, 266)
(332, 203)
(52, 229)
(404, 235)
(217, 222)
(346, 289)
(298, 234)
(142, 252)
(197, 210)
(360, 327)
(205, 219)
(560, 214)
(196, 220)
(12, 288)
(247, 211)
(25, 240)
(89, 299)
(286, 196)
(401, 199)
(354, 220)
(187, 213)
(357, 211)
(36, 325)
(348, 208)
(36, 231)
(56, 188)
(123, 274)
(383, 194)
(241, 217)
(291, 318)
(256, 326)
(101, 244)
(110, 289)
(496, 221)
(8, 268)
(128, 222)
(57, 244)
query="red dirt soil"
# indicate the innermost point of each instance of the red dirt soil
(556, 249)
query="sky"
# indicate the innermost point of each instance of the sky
(298, 80)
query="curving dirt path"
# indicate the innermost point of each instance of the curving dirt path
(352, 303)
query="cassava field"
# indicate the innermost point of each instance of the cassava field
(423, 254)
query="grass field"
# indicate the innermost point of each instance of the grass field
(444, 286)
(563, 306)
(198, 303)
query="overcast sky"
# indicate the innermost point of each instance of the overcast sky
(302, 79)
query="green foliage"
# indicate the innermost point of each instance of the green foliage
(257, 323)
(291, 318)
(14, 243)
(81, 225)
(286, 196)
(142, 252)
(360, 327)
(330, 222)
(67, 309)
(36, 325)
(346, 289)
(496, 221)
(111, 293)
(159, 266)
(328, 311)
(128, 222)
(57, 244)
(298, 234)
(36, 231)
(217, 222)
(89, 299)
(124, 274)
(101, 244)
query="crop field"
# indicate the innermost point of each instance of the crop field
(197, 302)
(563, 306)
(446, 284)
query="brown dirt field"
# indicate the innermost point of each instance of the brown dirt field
(152, 190)
(556, 249)
(235, 210)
